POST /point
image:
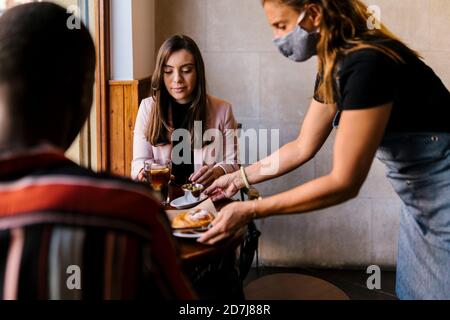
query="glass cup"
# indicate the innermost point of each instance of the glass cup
(192, 192)
(158, 173)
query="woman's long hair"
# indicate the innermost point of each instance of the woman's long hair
(343, 30)
(159, 131)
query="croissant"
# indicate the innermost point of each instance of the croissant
(192, 219)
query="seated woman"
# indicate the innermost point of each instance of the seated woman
(179, 101)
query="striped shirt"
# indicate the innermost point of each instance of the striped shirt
(69, 233)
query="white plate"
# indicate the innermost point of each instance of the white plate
(181, 203)
(188, 235)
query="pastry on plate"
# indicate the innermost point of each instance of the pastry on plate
(193, 219)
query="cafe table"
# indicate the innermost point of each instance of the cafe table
(193, 253)
(211, 268)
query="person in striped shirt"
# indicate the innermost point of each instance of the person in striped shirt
(65, 231)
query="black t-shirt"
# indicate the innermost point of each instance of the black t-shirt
(369, 78)
(180, 118)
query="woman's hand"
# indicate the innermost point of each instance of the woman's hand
(230, 220)
(206, 175)
(142, 176)
(225, 187)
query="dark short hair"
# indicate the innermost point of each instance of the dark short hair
(48, 71)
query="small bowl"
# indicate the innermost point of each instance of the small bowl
(192, 192)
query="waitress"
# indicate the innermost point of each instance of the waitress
(387, 103)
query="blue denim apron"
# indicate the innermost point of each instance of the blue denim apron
(418, 167)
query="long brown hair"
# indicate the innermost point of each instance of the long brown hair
(159, 130)
(343, 30)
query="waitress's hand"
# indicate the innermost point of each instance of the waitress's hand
(225, 187)
(230, 220)
(206, 175)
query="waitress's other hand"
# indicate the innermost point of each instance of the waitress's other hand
(230, 221)
(225, 187)
(206, 175)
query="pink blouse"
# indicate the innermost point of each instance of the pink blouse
(220, 122)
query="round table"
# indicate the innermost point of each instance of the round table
(211, 269)
(193, 253)
(290, 286)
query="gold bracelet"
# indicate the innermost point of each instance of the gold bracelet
(244, 178)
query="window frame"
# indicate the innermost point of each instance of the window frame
(102, 10)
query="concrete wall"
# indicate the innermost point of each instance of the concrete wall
(268, 91)
(143, 38)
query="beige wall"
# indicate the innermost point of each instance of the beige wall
(66, 3)
(268, 91)
(143, 41)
